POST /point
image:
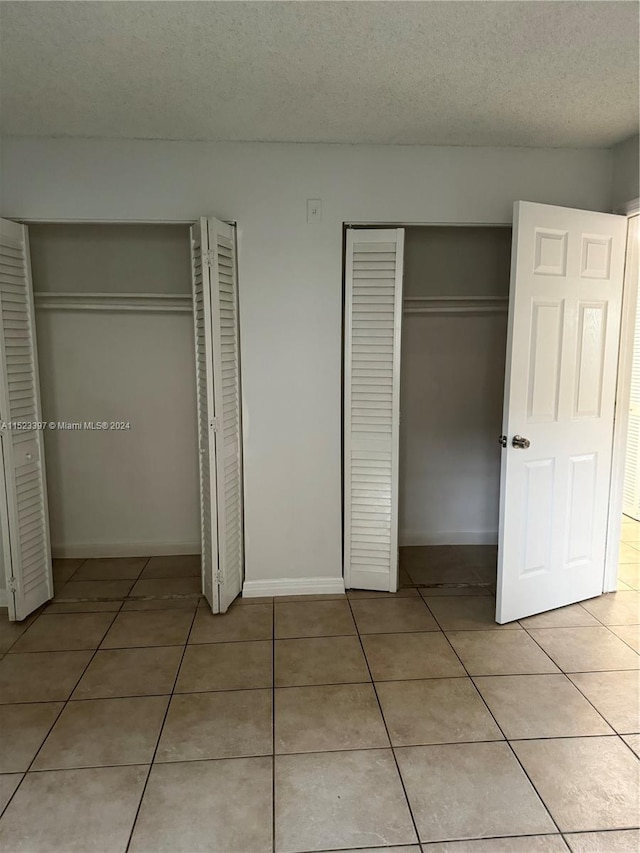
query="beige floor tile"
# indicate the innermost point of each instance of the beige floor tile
(23, 728)
(409, 592)
(239, 623)
(242, 600)
(190, 604)
(616, 695)
(313, 619)
(217, 725)
(153, 628)
(468, 613)
(102, 732)
(390, 616)
(57, 609)
(40, 676)
(66, 633)
(586, 649)
(586, 783)
(403, 656)
(615, 608)
(8, 784)
(75, 809)
(633, 741)
(500, 653)
(110, 569)
(328, 596)
(336, 716)
(628, 554)
(468, 790)
(622, 841)
(537, 706)
(226, 666)
(340, 799)
(130, 672)
(159, 587)
(515, 844)
(437, 710)
(177, 566)
(411, 848)
(63, 569)
(83, 590)
(10, 632)
(206, 806)
(319, 660)
(630, 574)
(572, 616)
(622, 586)
(428, 592)
(629, 634)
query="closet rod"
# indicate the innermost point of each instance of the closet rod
(454, 305)
(114, 302)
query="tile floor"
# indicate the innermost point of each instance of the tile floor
(131, 719)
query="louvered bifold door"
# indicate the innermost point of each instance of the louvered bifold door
(201, 279)
(23, 495)
(226, 371)
(631, 493)
(373, 322)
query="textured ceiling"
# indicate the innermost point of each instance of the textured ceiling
(437, 73)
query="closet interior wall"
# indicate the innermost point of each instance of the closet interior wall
(454, 330)
(115, 343)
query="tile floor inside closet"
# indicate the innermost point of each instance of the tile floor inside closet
(413, 721)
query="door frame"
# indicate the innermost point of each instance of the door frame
(623, 381)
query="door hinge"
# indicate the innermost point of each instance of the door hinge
(503, 440)
(208, 258)
(214, 424)
(12, 585)
(217, 577)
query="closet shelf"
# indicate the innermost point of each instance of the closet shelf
(114, 302)
(454, 305)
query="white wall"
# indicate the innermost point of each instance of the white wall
(626, 166)
(452, 380)
(130, 492)
(291, 276)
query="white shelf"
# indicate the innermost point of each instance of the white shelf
(454, 305)
(114, 302)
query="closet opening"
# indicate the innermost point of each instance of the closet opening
(115, 340)
(452, 367)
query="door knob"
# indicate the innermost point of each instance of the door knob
(519, 441)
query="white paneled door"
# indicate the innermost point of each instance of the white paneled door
(24, 521)
(562, 355)
(215, 295)
(373, 321)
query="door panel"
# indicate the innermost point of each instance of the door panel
(562, 352)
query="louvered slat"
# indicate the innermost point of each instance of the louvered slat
(373, 313)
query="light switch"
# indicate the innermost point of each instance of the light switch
(314, 210)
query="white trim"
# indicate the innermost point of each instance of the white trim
(412, 538)
(4, 598)
(454, 305)
(629, 208)
(621, 421)
(293, 586)
(127, 549)
(119, 302)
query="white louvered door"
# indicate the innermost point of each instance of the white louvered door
(226, 384)
(373, 323)
(23, 494)
(219, 422)
(631, 489)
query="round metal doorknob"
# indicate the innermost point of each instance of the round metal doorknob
(519, 441)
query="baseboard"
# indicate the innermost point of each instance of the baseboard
(293, 586)
(467, 537)
(129, 549)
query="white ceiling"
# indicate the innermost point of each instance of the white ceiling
(437, 73)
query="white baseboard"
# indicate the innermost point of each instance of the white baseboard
(128, 549)
(293, 586)
(4, 598)
(467, 537)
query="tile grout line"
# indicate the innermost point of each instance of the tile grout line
(506, 740)
(65, 702)
(386, 728)
(160, 730)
